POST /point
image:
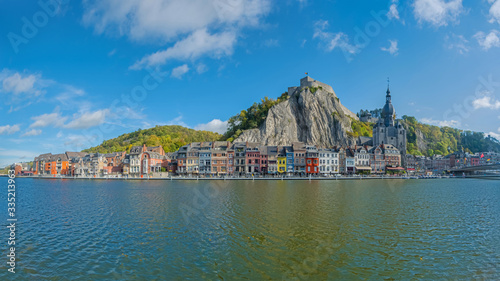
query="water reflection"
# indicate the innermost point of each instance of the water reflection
(275, 230)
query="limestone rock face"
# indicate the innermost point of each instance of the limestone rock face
(421, 143)
(312, 114)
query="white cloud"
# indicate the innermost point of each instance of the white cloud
(215, 125)
(393, 10)
(333, 40)
(177, 121)
(179, 71)
(495, 135)
(88, 119)
(167, 19)
(8, 129)
(458, 43)
(32, 132)
(17, 84)
(443, 123)
(187, 22)
(495, 10)
(271, 43)
(393, 48)
(79, 142)
(48, 119)
(201, 68)
(199, 43)
(437, 12)
(488, 41)
(486, 102)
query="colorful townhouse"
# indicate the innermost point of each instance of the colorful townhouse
(299, 157)
(135, 161)
(272, 160)
(39, 164)
(219, 158)
(350, 161)
(181, 159)
(205, 161)
(230, 159)
(377, 161)
(290, 168)
(282, 163)
(362, 160)
(114, 162)
(252, 158)
(312, 160)
(170, 162)
(263, 159)
(152, 159)
(192, 158)
(342, 159)
(328, 161)
(239, 158)
(392, 158)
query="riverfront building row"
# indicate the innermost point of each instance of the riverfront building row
(223, 158)
(238, 159)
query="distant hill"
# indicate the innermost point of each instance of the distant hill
(170, 137)
(428, 140)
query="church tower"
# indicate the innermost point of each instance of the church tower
(388, 112)
(388, 130)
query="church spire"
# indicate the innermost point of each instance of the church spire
(388, 84)
(388, 110)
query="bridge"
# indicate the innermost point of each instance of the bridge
(484, 171)
(469, 169)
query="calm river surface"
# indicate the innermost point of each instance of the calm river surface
(254, 230)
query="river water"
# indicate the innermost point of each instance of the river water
(254, 230)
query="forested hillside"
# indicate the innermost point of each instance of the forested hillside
(428, 140)
(170, 137)
(251, 118)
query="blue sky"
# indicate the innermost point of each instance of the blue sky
(73, 73)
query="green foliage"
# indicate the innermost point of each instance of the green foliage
(5, 170)
(364, 129)
(446, 140)
(169, 137)
(251, 118)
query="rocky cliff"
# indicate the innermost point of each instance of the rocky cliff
(312, 114)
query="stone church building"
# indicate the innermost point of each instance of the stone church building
(388, 130)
